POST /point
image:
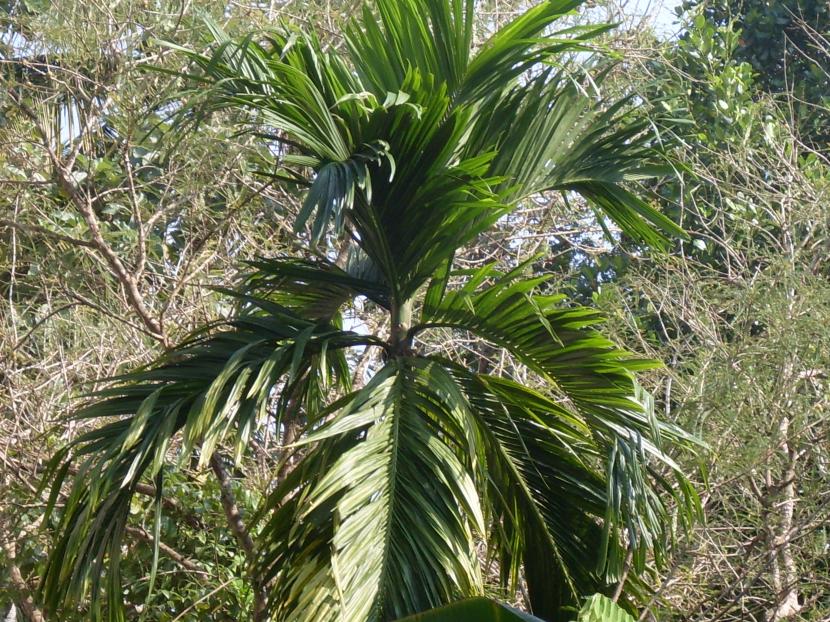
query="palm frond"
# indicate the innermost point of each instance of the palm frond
(306, 99)
(565, 508)
(314, 289)
(558, 342)
(245, 74)
(380, 517)
(621, 447)
(432, 37)
(218, 384)
(519, 47)
(545, 488)
(552, 134)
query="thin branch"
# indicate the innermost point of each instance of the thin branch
(237, 525)
(25, 600)
(38, 230)
(83, 203)
(172, 553)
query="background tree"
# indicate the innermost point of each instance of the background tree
(106, 250)
(737, 311)
(734, 310)
(782, 42)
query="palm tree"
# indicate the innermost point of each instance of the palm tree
(411, 144)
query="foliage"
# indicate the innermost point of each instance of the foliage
(783, 43)
(739, 312)
(473, 609)
(410, 152)
(599, 608)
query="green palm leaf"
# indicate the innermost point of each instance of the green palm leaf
(216, 385)
(433, 37)
(396, 505)
(520, 46)
(578, 144)
(609, 435)
(473, 610)
(599, 608)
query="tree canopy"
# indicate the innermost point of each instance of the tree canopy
(412, 309)
(409, 151)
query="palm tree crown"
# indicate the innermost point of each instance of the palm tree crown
(411, 144)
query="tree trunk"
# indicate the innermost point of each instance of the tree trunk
(787, 605)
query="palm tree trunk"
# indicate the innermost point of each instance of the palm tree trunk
(401, 319)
